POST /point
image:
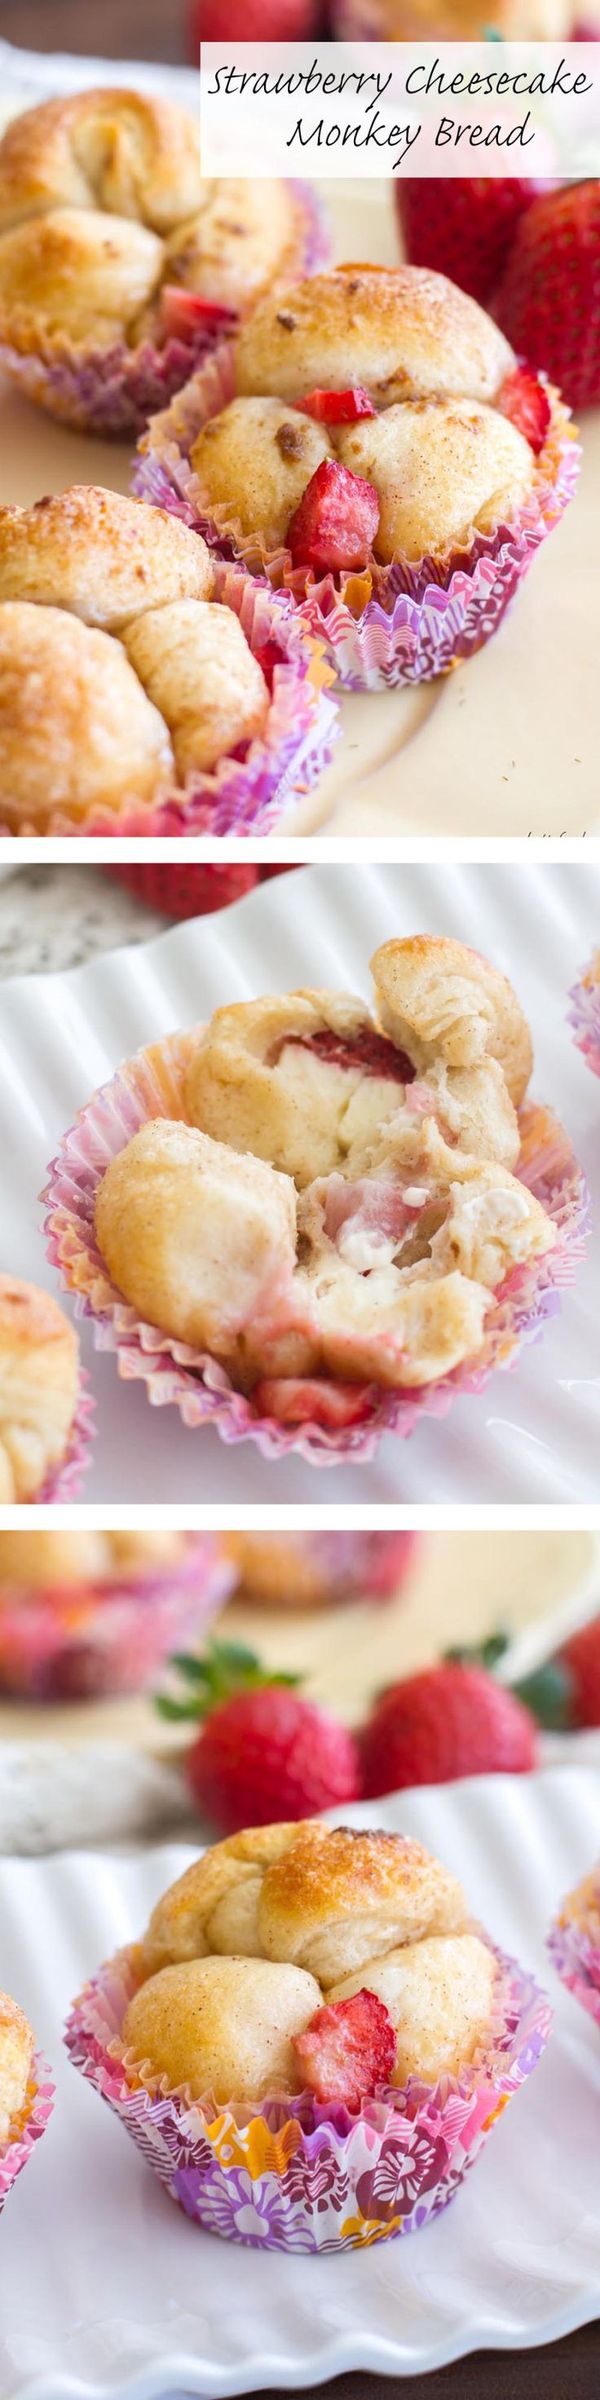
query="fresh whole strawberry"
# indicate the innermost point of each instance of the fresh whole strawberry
(186, 891)
(311, 1400)
(347, 2051)
(463, 226)
(525, 400)
(252, 21)
(446, 1722)
(579, 1662)
(334, 526)
(264, 1753)
(548, 298)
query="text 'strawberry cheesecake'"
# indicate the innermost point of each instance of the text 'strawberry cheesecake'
(322, 2032)
(340, 1201)
(91, 1613)
(119, 260)
(39, 1387)
(314, 1570)
(368, 433)
(121, 678)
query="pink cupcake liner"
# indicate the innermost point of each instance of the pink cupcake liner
(86, 1640)
(112, 393)
(422, 618)
(241, 795)
(287, 2174)
(574, 1945)
(64, 1482)
(151, 1085)
(28, 2127)
(584, 1015)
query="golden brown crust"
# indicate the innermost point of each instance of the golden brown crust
(76, 728)
(222, 2025)
(401, 332)
(180, 1925)
(444, 1001)
(16, 2053)
(443, 470)
(39, 1355)
(100, 556)
(119, 150)
(334, 1899)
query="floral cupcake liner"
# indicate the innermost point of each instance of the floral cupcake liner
(242, 795)
(112, 393)
(574, 1945)
(584, 1015)
(395, 625)
(83, 1641)
(287, 2174)
(151, 1085)
(26, 2128)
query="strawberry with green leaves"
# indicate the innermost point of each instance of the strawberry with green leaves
(264, 1753)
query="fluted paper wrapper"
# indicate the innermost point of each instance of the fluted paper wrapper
(151, 1085)
(64, 1481)
(584, 1013)
(289, 2174)
(574, 1945)
(240, 795)
(404, 623)
(89, 1639)
(27, 2128)
(112, 393)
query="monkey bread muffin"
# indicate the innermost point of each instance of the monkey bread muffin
(91, 1613)
(120, 262)
(366, 438)
(312, 1219)
(26, 2093)
(315, 1570)
(574, 1943)
(130, 693)
(318, 2030)
(44, 1407)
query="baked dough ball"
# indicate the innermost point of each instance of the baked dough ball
(401, 332)
(194, 663)
(254, 460)
(75, 273)
(440, 468)
(214, 1904)
(16, 2053)
(202, 1249)
(222, 2025)
(337, 1898)
(120, 680)
(109, 149)
(103, 205)
(39, 1354)
(376, 1328)
(582, 1906)
(442, 1001)
(76, 727)
(439, 1994)
(30, 1561)
(253, 1081)
(244, 233)
(103, 558)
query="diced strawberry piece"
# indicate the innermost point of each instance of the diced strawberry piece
(337, 408)
(269, 657)
(348, 2050)
(184, 313)
(371, 1051)
(300, 1400)
(334, 527)
(524, 399)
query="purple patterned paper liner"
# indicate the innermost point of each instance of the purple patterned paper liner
(288, 2174)
(241, 795)
(92, 1639)
(584, 1015)
(28, 2127)
(64, 1481)
(151, 1085)
(574, 1946)
(112, 393)
(426, 616)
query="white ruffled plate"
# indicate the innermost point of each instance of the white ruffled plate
(105, 2288)
(533, 1434)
